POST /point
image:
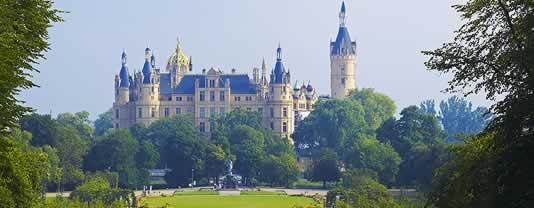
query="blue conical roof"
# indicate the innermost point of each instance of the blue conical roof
(124, 75)
(278, 67)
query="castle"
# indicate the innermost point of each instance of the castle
(152, 93)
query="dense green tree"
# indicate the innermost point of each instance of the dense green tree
(71, 150)
(181, 147)
(215, 162)
(103, 123)
(470, 180)
(55, 172)
(369, 153)
(333, 124)
(248, 147)
(414, 127)
(377, 106)
(458, 117)
(42, 128)
(279, 170)
(492, 53)
(325, 167)
(419, 166)
(22, 168)
(23, 42)
(116, 152)
(428, 107)
(362, 192)
(79, 121)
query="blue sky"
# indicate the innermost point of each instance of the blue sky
(85, 51)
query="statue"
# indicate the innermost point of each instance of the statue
(229, 167)
(230, 181)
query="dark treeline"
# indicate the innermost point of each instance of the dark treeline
(76, 151)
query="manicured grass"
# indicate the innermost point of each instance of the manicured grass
(195, 193)
(268, 201)
(262, 193)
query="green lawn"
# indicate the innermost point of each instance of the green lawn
(267, 201)
(195, 193)
(262, 193)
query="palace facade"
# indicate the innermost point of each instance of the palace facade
(152, 93)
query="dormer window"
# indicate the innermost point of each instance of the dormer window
(212, 83)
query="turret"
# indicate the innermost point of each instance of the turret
(280, 103)
(342, 60)
(122, 82)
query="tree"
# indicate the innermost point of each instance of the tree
(23, 42)
(42, 127)
(115, 151)
(412, 128)
(248, 147)
(181, 147)
(377, 106)
(279, 170)
(79, 121)
(333, 124)
(458, 117)
(22, 168)
(428, 107)
(361, 192)
(369, 153)
(55, 172)
(71, 150)
(215, 162)
(492, 53)
(325, 168)
(103, 122)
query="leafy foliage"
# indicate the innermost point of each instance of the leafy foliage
(23, 42)
(22, 167)
(492, 53)
(103, 123)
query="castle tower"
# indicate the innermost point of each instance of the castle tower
(147, 104)
(122, 95)
(280, 103)
(178, 64)
(342, 60)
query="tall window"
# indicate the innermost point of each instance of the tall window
(117, 113)
(178, 98)
(202, 95)
(178, 111)
(189, 99)
(153, 113)
(202, 112)
(202, 127)
(343, 81)
(272, 113)
(139, 113)
(221, 111)
(190, 110)
(212, 96)
(284, 127)
(166, 112)
(272, 126)
(237, 98)
(260, 110)
(221, 96)
(285, 112)
(212, 83)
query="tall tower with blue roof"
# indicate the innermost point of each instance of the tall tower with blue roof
(280, 100)
(122, 94)
(342, 60)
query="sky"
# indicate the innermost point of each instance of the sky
(85, 54)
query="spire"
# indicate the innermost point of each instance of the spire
(279, 52)
(124, 57)
(190, 63)
(146, 67)
(178, 44)
(153, 60)
(342, 15)
(124, 74)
